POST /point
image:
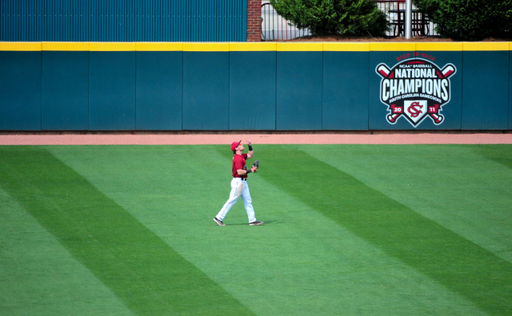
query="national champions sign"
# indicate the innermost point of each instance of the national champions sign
(415, 88)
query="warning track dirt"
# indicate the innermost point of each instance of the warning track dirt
(257, 138)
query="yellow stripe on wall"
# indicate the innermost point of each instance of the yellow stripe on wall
(348, 47)
(158, 46)
(65, 46)
(439, 46)
(206, 47)
(486, 46)
(20, 46)
(252, 47)
(392, 46)
(112, 46)
(299, 47)
(258, 46)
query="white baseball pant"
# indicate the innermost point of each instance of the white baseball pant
(233, 198)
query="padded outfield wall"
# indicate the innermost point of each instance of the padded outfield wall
(174, 86)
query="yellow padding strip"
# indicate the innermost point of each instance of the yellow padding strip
(158, 46)
(206, 47)
(112, 47)
(486, 46)
(392, 46)
(257, 46)
(20, 46)
(439, 46)
(253, 47)
(348, 47)
(299, 47)
(65, 46)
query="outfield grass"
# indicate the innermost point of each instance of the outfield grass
(349, 230)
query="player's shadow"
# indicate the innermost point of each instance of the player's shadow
(247, 224)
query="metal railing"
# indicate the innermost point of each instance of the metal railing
(276, 28)
(395, 12)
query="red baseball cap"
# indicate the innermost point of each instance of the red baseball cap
(234, 145)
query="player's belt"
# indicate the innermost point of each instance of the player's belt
(243, 179)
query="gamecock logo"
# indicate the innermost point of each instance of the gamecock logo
(416, 89)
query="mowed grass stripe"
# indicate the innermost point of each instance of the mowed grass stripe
(497, 153)
(453, 261)
(40, 277)
(460, 187)
(141, 269)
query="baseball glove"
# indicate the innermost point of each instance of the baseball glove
(256, 164)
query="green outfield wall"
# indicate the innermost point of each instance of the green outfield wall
(174, 86)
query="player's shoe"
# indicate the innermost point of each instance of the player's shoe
(218, 221)
(256, 223)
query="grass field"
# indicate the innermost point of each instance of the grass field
(349, 230)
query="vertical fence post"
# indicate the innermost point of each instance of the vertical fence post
(408, 18)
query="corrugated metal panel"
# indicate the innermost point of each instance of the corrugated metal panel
(123, 20)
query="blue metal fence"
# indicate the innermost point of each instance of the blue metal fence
(123, 20)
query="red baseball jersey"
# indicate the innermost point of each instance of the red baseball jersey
(239, 163)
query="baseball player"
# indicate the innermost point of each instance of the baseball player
(239, 186)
